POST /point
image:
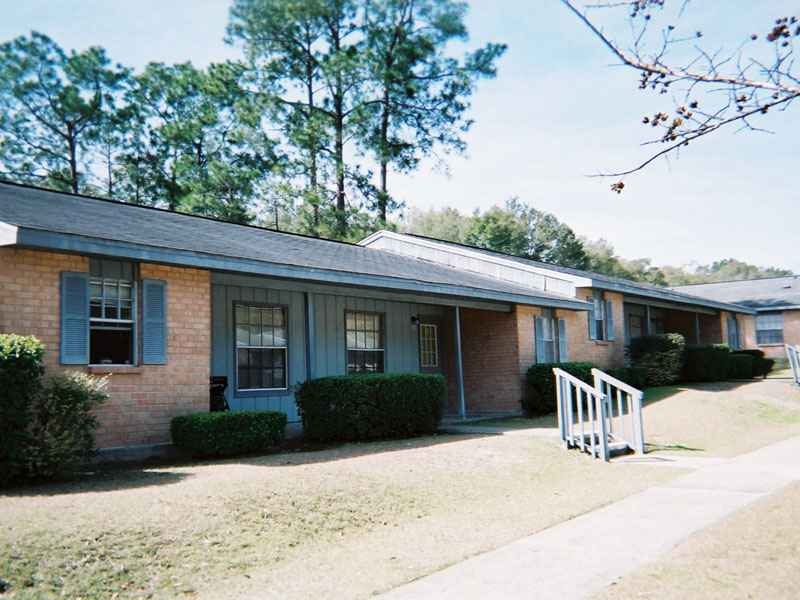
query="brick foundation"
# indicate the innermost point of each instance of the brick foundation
(143, 399)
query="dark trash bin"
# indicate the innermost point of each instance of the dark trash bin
(217, 386)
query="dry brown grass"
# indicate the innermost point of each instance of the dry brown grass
(338, 523)
(721, 419)
(751, 555)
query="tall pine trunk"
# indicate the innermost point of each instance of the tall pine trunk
(383, 194)
(72, 148)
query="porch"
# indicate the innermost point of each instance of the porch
(270, 335)
(698, 325)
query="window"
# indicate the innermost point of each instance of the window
(428, 345)
(658, 321)
(112, 312)
(733, 333)
(597, 317)
(261, 346)
(635, 326)
(550, 336)
(769, 328)
(365, 342)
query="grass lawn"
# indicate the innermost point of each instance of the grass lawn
(752, 554)
(337, 523)
(717, 419)
(720, 419)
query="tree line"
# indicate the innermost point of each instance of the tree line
(521, 230)
(328, 99)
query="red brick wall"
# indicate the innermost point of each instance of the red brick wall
(490, 345)
(603, 354)
(142, 399)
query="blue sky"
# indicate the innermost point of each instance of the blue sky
(557, 111)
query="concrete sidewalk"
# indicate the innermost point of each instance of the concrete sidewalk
(579, 557)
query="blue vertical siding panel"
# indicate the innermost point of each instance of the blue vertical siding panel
(402, 352)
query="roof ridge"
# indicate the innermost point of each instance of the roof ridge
(792, 276)
(168, 211)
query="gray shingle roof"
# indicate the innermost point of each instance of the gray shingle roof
(36, 209)
(602, 281)
(761, 294)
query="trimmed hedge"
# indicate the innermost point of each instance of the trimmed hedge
(540, 393)
(761, 365)
(633, 376)
(370, 407)
(20, 380)
(228, 433)
(660, 356)
(740, 366)
(706, 363)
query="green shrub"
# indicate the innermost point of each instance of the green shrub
(20, 379)
(540, 392)
(740, 366)
(369, 407)
(707, 363)
(61, 429)
(228, 433)
(660, 356)
(761, 365)
(633, 376)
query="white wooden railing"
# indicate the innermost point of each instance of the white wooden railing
(580, 412)
(599, 418)
(623, 410)
(793, 354)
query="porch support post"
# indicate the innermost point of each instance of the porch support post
(697, 328)
(310, 335)
(647, 319)
(462, 404)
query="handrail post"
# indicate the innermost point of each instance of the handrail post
(560, 406)
(638, 423)
(603, 434)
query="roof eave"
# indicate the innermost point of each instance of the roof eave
(683, 299)
(48, 240)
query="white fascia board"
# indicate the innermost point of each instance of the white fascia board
(8, 234)
(576, 280)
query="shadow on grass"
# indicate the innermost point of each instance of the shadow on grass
(306, 453)
(121, 476)
(648, 448)
(105, 478)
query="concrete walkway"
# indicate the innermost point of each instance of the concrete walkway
(579, 557)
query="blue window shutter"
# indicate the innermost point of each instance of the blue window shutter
(563, 355)
(537, 333)
(154, 322)
(74, 318)
(609, 320)
(590, 317)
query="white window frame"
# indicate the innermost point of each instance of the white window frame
(777, 318)
(103, 322)
(549, 320)
(348, 348)
(422, 352)
(237, 346)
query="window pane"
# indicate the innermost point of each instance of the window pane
(279, 336)
(126, 310)
(351, 339)
(110, 344)
(255, 335)
(365, 361)
(242, 335)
